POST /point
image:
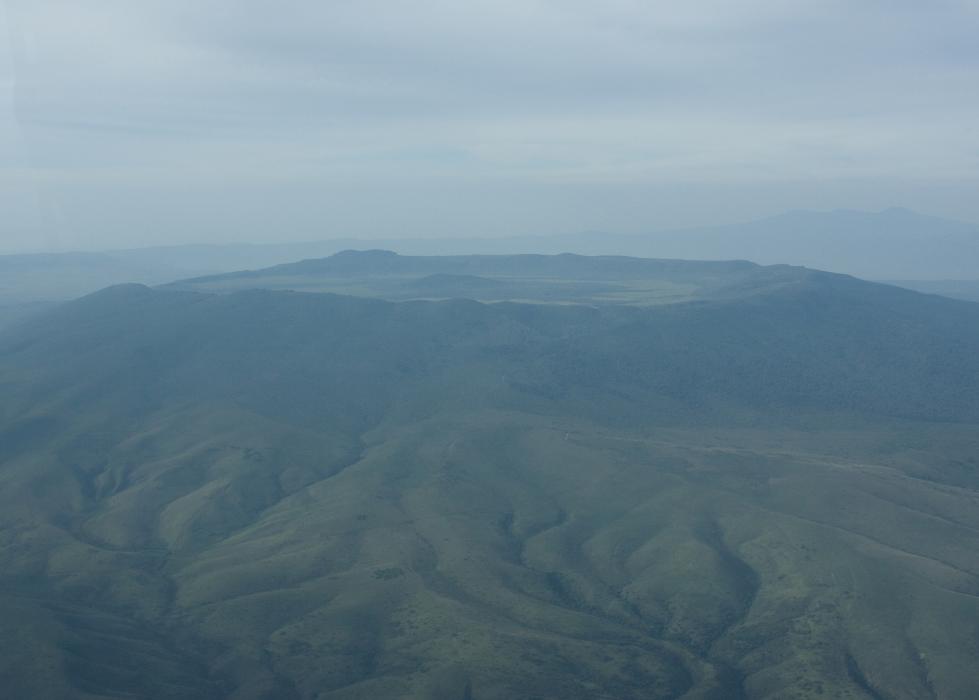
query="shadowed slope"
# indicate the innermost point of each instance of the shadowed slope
(275, 495)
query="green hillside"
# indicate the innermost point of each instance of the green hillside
(771, 491)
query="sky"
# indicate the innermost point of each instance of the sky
(126, 124)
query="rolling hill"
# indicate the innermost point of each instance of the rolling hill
(925, 253)
(763, 486)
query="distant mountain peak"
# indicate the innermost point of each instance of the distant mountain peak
(847, 213)
(902, 211)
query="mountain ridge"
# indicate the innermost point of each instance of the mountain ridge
(278, 494)
(892, 244)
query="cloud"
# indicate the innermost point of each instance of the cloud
(376, 93)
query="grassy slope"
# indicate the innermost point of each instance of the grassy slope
(274, 495)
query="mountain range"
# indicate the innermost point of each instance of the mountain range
(920, 252)
(492, 477)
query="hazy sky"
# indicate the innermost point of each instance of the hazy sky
(136, 122)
